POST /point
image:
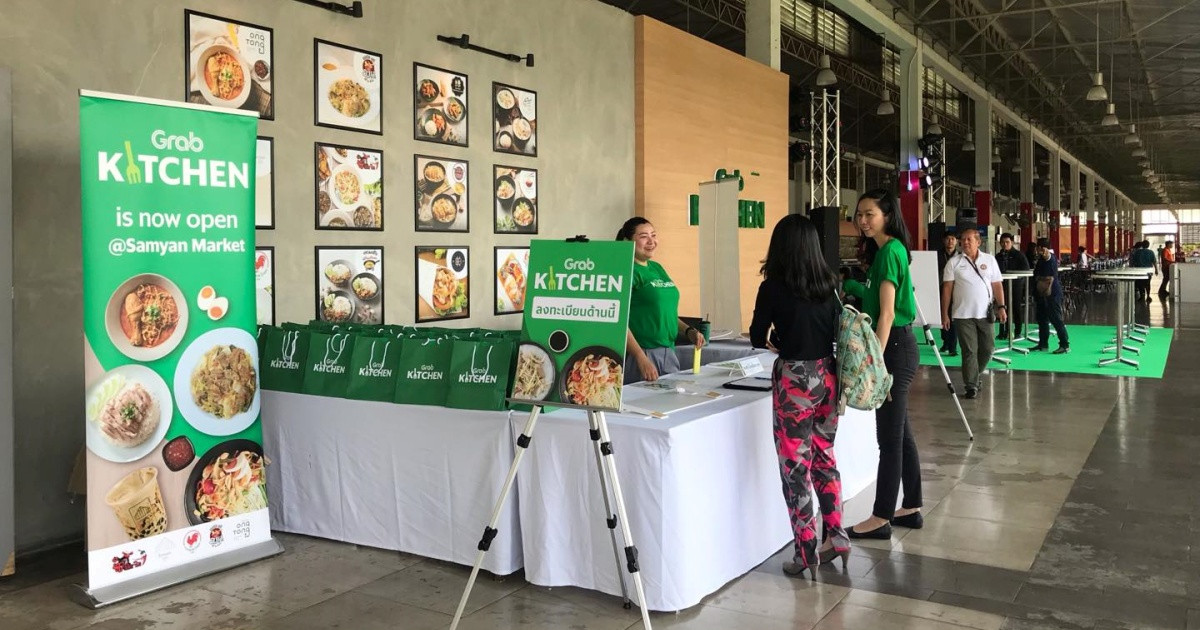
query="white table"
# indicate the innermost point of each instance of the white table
(1011, 300)
(416, 479)
(702, 489)
(1124, 298)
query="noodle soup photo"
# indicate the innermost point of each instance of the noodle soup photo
(350, 285)
(439, 105)
(441, 194)
(348, 87)
(349, 188)
(229, 64)
(443, 291)
(516, 194)
(514, 113)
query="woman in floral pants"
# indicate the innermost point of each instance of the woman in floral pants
(796, 315)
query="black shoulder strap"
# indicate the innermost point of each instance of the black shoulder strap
(985, 282)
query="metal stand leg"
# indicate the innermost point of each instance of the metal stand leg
(1120, 340)
(489, 532)
(610, 518)
(631, 553)
(945, 374)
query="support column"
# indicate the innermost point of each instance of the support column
(1102, 220)
(911, 105)
(983, 160)
(1089, 201)
(762, 31)
(1073, 173)
(1027, 228)
(1055, 201)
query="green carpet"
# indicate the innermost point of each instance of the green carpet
(1086, 345)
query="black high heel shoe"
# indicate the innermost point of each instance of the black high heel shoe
(794, 569)
(828, 555)
(911, 521)
(883, 532)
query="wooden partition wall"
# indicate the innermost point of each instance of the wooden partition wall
(701, 108)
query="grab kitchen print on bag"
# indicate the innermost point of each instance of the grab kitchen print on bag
(480, 371)
(326, 372)
(282, 364)
(424, 365)
(373, 368)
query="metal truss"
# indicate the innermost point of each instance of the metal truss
(825, 137)
(937, 191)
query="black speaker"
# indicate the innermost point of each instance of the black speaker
(935, 234)
(826, 219)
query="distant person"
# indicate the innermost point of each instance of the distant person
(1011, 260)
(972, 283)
(797, 315)
(1168, 261)
(1031, 253)
(949, 250)
(1082, 260)
(1143, 258)
(654, 320)
(1049, 297)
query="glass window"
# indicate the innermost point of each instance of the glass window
(891, 66)
(816, 25)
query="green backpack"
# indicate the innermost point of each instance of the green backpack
(863, 379)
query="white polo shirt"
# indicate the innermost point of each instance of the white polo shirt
(971, 292)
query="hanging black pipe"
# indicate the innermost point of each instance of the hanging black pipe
(464, 41)
(354, 9)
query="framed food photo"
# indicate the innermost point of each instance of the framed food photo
(350, 284)
(514, 111)
(516, 199)
(264, 284)
(348, 190)
(264, 183)
(443, 288)
(229, 63)
(441, 194)
(440, 105)
(348, 87)
(512, 269)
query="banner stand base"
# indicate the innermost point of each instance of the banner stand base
(137, 587)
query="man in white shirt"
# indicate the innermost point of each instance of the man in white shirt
(1083, 260)
(971, 282)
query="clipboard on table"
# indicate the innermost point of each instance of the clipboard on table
(750, 383)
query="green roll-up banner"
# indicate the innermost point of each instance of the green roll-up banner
(175, 466)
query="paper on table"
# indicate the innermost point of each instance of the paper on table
(666, 403)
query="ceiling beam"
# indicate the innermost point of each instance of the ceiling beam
(1012, 12)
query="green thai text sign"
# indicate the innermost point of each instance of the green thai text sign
(572, 346)
(176, 471)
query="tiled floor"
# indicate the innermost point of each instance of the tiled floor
(1076, 507)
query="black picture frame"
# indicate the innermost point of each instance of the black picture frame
(417, 284)
(419, 201)
(318, 146)
(498, 205)
(417, 106)
(496, 280)
(504, 118)
(317, 43)
(319, 274)
(271, 250)
(271, 142)
(189, 96)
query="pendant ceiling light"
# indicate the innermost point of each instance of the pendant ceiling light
(1132, 137)
(1139, 152)
(825, 75)
(934, 127)
(996, 155)
(1147, 172)
(885, 104)
(969, 145)
(1097, 93)
(1110, 119)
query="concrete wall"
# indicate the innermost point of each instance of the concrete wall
(583, 76)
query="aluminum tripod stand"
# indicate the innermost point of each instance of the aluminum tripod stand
(607, 469)
(945, 374)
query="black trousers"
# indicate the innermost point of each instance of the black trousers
(1166, 281)
(899, 463)
(1049, 312)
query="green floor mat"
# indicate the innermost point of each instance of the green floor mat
(1087, 344)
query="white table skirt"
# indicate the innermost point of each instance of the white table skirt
(702, 488)
(416, 479)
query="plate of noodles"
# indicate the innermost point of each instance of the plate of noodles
(346, 100)
(216, 382)
(592, 377)
(230, 479)
(534, 378)
(224, 76)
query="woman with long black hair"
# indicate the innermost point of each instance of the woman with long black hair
(889, 300)
(796, 314)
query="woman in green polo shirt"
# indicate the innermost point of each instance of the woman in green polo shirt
(888, 299)
(653, 310)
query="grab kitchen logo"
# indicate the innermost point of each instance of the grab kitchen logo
(751, 214)
(375, 368)
(334, 347)
(285, 361)
(426, 373)
(170, 170)
(480, 376)
(577, 282)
